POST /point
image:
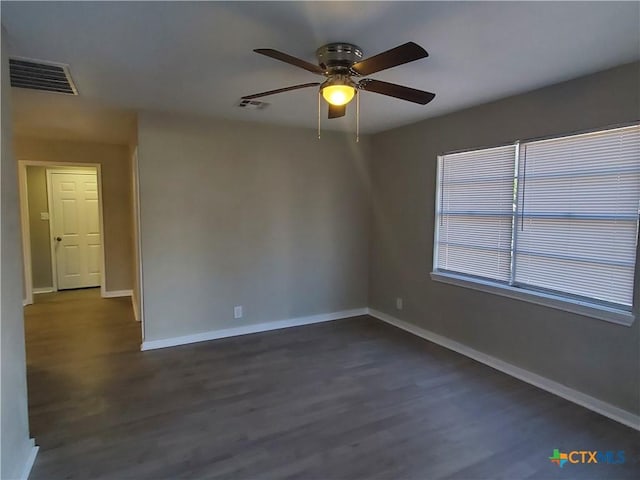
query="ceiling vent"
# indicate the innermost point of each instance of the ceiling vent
(39, 75)
(252, 104)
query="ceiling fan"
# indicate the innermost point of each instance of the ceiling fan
(340, 62)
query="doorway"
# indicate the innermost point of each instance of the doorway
(74, 225)
(62, 227)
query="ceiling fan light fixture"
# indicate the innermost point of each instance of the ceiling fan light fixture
(338, 94)
(338, 91)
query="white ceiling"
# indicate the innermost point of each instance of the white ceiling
(197, 57)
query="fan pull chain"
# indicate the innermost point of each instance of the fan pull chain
(318, 115)
(357, 117)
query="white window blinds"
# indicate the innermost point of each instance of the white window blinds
(577, 217)
(475, 212)
(558, 215)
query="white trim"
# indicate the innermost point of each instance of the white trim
(26, 235)
(566, 304)
(36, 291)
(103, 266)
(80, 169)
(28, 465)
(255, 328)
(116, 293)
(52, 246)
(603, 408)
(138, 300)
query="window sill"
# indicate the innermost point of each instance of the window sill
(619, 317)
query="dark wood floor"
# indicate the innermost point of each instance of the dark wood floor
(341, 400)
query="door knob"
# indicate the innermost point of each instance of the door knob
(58, 239)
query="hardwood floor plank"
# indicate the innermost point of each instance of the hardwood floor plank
(351, 399)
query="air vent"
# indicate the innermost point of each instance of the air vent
(252, 104)
(39, 75)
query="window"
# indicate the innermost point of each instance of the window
(475, 218)
(554, 218)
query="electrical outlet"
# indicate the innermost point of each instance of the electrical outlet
(237, 311)
(44, 215)
(399, 303)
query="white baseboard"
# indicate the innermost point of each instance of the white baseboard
(247, 329)
(43, 290)
(608, 410)
(26, 469)
(117, 293)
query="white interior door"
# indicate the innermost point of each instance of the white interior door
(76, 229)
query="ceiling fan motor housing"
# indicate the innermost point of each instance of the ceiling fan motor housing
(338, 57)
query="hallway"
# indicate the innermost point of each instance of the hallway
(78, 347)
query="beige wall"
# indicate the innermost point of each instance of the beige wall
(595, 357)
(233, 213)
(116, 196)
(15, 445)
(38, 228)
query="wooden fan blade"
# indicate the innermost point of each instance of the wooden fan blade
(280, 90)
(283, 57)
(406, 53)
(397, 91)
(336, 111)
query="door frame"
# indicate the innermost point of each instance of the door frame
(24, 221)
(137, 296)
